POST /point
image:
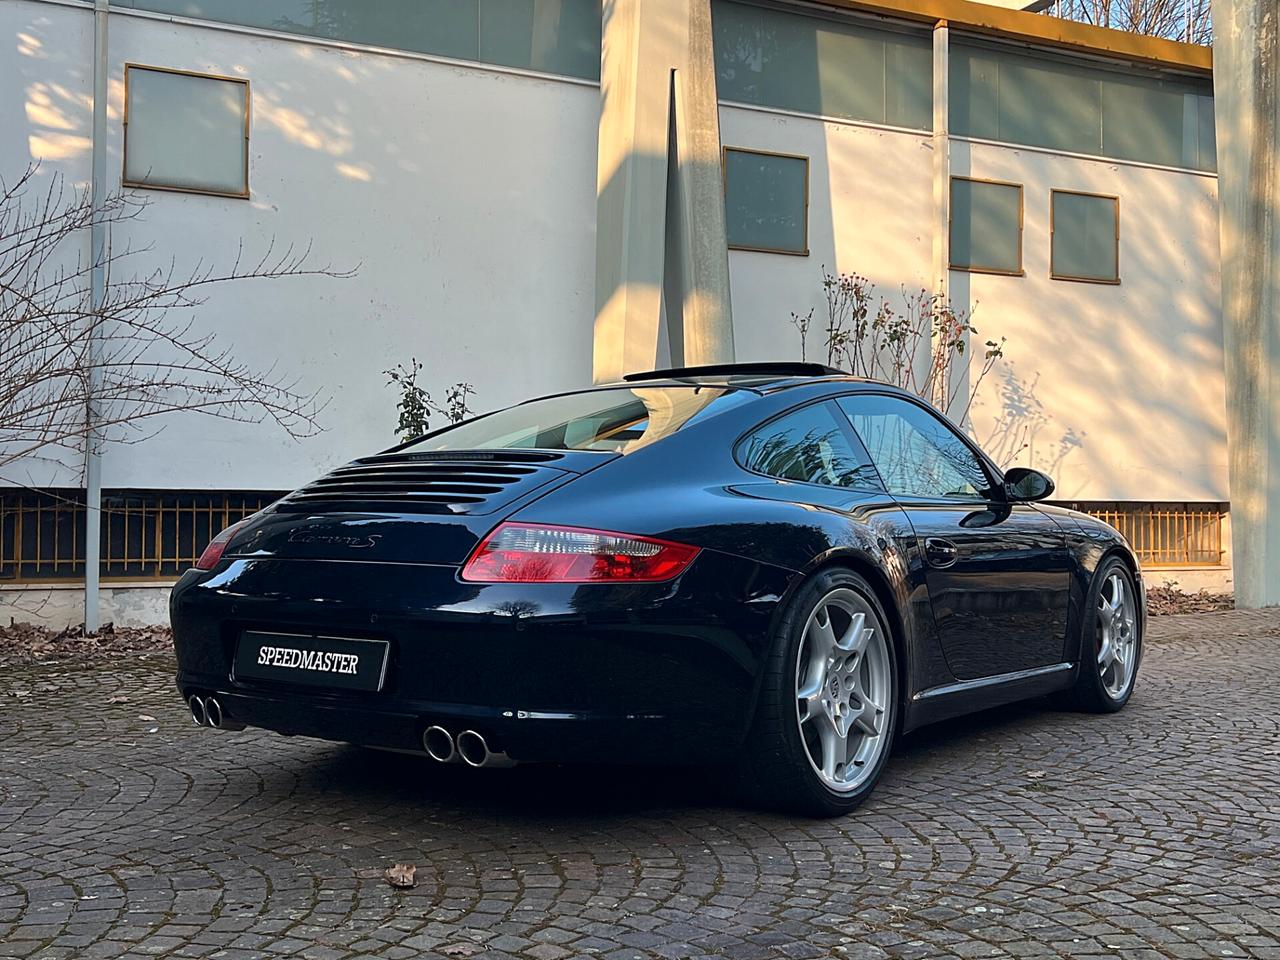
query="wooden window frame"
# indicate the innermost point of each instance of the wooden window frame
(149, 185)
(1022, 203)
(724, 178)
(1115, 282)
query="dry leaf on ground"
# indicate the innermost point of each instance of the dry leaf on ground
(401, 876)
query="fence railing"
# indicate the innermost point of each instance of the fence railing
(146, 534)
(1166, 534)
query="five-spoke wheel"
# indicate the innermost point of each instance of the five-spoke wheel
(828, 707)
(1117, 643)
(843, 688)
(1111, 643)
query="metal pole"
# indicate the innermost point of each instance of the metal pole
(97, 294)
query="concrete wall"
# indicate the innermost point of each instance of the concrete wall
(465, 194)
(860, 221)
(1118, 390)
(124, 605)
(1115, 390)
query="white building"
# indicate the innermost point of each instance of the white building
(1056, 179)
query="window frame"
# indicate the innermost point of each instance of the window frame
(843, 424)
(724, 181)
(1022, 206)
(1053, 192)
(125, 181)
(993, 473)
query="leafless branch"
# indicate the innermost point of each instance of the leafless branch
(143, 352)
(1188, 20)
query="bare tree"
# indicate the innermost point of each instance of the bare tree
(137, 358)
(1188, 20)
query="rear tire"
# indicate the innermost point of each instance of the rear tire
(1111, 642)
(828, 708)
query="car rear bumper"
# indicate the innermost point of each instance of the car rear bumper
(557, 672)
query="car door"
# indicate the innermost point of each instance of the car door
(998, 572)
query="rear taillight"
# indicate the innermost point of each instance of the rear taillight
(213, 552)
(532, 553)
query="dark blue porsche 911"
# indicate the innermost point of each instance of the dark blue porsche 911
(774, 567)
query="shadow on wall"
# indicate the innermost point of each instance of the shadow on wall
(1108, 367)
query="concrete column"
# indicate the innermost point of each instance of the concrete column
(941, 159)
(660, 236)
(1246, 54)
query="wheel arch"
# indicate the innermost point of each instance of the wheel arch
(880, 585)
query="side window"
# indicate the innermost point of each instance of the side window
(916, 453)
(809, 445)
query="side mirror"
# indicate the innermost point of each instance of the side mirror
(1023, 484)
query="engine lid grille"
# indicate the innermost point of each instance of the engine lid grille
(424, 483)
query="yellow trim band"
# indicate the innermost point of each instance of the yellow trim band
(965, 15)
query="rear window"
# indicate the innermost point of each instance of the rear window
(616, 420)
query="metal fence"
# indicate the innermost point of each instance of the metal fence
(1167, 534)
(146, 534)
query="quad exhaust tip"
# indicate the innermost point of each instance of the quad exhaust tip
(438, 742)
(475, 752)
(208, 712)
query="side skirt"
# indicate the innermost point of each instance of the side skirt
(970, 696)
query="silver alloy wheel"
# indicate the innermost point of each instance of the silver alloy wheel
(843, 689)
(1117, 635)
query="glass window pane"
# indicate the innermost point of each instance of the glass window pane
(908, 80)
(614, 420)
(809, 446)
(986, 226)
(1079, 108)
(916, 453)
(185, 131)
(555, 36)
(777, 58)
(975, 100)
(766, 201)
(1143, 120)
(1049, 105)
(1084, 237)
(1208, 154)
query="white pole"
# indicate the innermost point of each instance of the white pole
(97, 293)
(1246, 84)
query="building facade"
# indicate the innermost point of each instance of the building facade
(1056, 181)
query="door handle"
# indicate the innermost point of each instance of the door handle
(940, 552)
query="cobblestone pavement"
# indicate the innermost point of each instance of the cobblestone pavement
(127, 831)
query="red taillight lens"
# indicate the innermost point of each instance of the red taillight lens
(213, 552)
(531, 553)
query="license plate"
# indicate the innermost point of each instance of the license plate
(315, 661)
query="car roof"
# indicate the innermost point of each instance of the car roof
(764, 377)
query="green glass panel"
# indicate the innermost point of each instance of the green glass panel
(1144, 120)
(975, 100)
(1208, 136)
(1084, 237)
(908, 85)
(986, 226)
(186, 132)
(554, 36)
(1080, 108)
(777, 58)
(1049, 105)
(766, 201)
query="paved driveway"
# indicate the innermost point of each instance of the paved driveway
(126, 831)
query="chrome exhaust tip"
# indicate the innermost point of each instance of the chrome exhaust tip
(438, 742)
(213, 713)
(475, 752)
(198, 711)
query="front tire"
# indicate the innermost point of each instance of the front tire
(1111, 644)
(828, 708)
